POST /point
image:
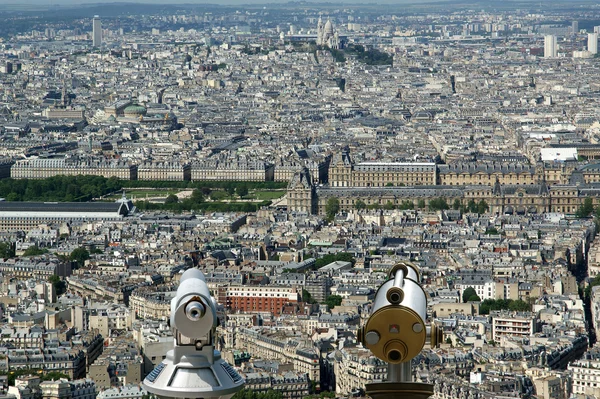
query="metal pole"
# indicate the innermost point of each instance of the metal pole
(401, 372)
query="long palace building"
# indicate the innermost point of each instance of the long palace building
(304, 196)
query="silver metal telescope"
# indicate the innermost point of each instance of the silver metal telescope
(193, 368)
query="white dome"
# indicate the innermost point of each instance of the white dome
(328, 27)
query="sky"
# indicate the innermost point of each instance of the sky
(24, 3)
(239, 2)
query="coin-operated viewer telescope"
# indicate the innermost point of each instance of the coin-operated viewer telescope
(193, 368)
(396, 332)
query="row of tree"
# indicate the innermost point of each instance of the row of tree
(85, 188)
(189, 204)
(229, 186)
(470, 295)
(58, 188)
(331, 301)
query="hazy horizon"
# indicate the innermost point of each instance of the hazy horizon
(242, 2)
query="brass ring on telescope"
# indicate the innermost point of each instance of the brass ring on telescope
(404, 267)
(395, 295)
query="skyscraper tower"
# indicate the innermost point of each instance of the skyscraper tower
(575, 27)
(549, 46)
(97, 31)
(592, 44)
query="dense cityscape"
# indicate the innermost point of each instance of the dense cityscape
(295, 153)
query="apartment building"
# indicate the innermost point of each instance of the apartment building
(356, 367)
(512, 325)
(270, 345)
(586, 374)
(271, 299)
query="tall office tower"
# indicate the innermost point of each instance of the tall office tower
(575, 27)
(593, 43)
(549, 46)
(97, 31)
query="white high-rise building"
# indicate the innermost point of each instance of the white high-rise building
(97, 31)
(549, 46)
(592, 46)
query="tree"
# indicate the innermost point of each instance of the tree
(230, 189)
(332, 301)
(35, 251)
(421, 204)
(482, 207)
(307, 297)
(474, 298)
(406, 205)
(198, 196)
(472, 206)
(80, 255)
(332, 207)
(438, 204)
(389, 205)
(171, 199)
(456, 204)
(360, 204)
(242, 190)
(503, 304)
(585, 209)
(59, 285)
(491, 230)
(519, 306)
(468, 293)
(6, 250)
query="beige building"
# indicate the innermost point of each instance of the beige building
(59, 389)
(64, 113)
(41, 168)
(164, 171)
(267, 345)
(343, 172)
(500, 199)
(153, 302)
(356, 367)
(586, 374)
(227, 170)
(462, 174)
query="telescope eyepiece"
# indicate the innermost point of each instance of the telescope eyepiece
(195, 310)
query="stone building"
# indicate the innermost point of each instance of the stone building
(41, 168)
(270, 345)
(152, 302)
(343, 172)
(487, 174)
(228, 170)
(356, 367)
(304, 196)
(165, 171)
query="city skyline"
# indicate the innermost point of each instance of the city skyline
(322, 165)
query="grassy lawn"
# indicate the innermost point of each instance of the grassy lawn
(267, 195)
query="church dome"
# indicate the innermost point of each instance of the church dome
(328, 27)
(134, 111)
